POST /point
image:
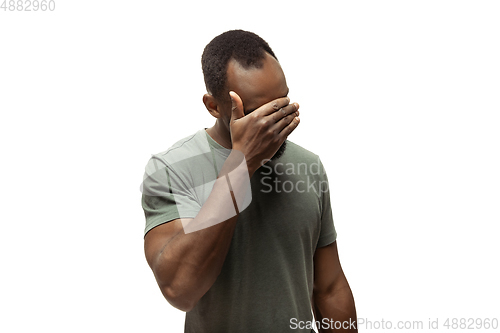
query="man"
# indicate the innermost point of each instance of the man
(239, 229)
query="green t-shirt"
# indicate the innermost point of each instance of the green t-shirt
(266, 281)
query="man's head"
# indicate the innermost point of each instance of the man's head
(242, 62)
(245, 47)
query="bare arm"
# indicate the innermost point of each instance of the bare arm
(332, 297)
(186, 265)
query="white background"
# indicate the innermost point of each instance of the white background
(399, 98)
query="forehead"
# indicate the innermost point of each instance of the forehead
(257, 86)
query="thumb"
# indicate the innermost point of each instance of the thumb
(236, 106)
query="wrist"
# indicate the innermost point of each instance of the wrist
(237, 156)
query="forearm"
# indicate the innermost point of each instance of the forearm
(191, 261)
(335, 311)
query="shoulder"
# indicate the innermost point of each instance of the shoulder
(296, 153)
(182, 152)
(187, 147)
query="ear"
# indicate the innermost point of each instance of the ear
(212, 105)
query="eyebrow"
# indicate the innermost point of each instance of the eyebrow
(252, 110)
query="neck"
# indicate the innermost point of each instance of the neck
(220, 134)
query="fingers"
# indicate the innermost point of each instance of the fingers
(287, 126)
(284, 112)
(273, 106)
(236, 106)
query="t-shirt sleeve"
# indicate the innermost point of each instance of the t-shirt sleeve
(328, 233)
(165, 195)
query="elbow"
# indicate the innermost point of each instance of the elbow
(178, 299)
(182, 291)
(179, 291)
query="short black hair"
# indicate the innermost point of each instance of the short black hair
(245, 47)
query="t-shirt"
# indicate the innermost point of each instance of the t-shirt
(266, 281)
